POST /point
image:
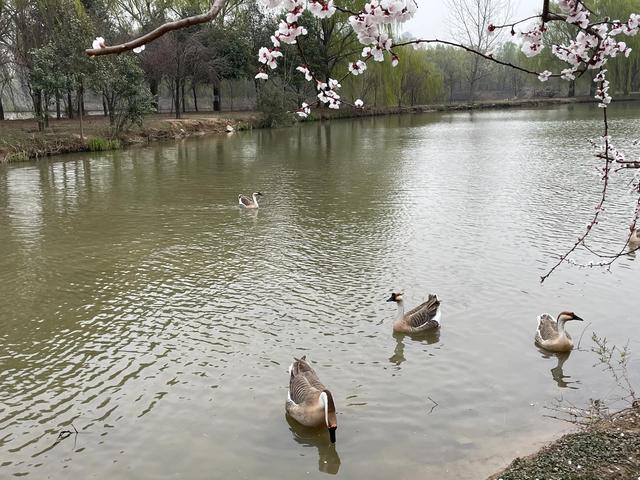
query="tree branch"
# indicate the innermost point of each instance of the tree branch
(213, 12)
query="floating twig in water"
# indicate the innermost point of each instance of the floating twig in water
(66, 434)
(435, 404)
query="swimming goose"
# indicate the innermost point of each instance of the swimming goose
(308, 400)
(245, 202)
(423, 318)
(551, 334)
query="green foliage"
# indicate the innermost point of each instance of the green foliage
(273, 103)
(99, 144)
(120, 80)
(45, 74)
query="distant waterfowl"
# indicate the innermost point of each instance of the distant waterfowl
(423, 318)
(634, 239)
(551, 334)
(308, 400)
(246, 202)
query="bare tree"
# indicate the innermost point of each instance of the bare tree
(470, 20)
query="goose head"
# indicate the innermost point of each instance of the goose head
(257, 194)
(566, 316)
(329, 414)
(395, 297)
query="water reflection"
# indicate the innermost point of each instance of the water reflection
(328, 458)
(398, 352)
(557, 372)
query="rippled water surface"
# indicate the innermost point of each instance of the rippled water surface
(138, 303)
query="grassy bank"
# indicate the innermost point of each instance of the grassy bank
(607, 450)
(20, 140)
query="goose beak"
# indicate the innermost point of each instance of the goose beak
(576, 317)
(332, 434)
(391, 299)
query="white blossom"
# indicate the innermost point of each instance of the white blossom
(98, 43)
(544, 76)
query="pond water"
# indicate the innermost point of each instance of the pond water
(140, 305)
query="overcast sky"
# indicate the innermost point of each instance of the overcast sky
(432, 19)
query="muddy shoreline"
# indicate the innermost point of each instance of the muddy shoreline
(609, 449)
(21, 141)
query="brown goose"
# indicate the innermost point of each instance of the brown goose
(246, 202)
(423, 318)
(551, 334)
(308, 400)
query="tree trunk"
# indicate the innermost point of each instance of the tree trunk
(1, 109)
(216, 97)
(58, 97)
(45, 109)
(111, 109)
(572, 89)
(153, 88)
(177, 97)
(79, 95)
(105, 109)
(184, 104)
(37, 107)
(195, 97)
(69, 104)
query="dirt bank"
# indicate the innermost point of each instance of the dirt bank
(20, 140)
(608, 450)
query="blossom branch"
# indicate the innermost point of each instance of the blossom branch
(139, 42)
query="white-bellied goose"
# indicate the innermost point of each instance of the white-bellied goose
(246, 202)
(308, 400)
(551, 334)
(424, 317)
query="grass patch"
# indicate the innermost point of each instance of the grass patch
(20, 156)
(99, 144)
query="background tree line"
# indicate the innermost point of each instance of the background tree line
(42, 60)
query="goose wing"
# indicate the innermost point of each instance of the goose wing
(303, 381)
(244, 200)
(547, 327)
(424, 315)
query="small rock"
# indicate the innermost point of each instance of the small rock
(230, 129)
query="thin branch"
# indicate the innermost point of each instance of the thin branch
(213, 12)
(475, 52)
